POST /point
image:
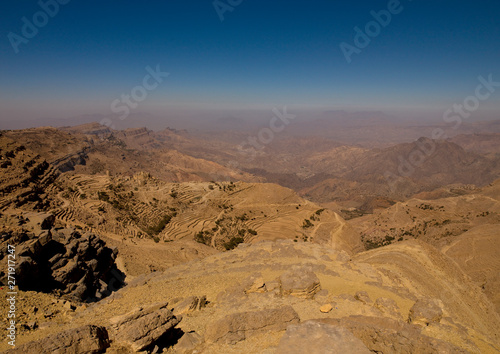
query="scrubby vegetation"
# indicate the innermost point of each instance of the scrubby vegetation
(156, 229)
(203, 237)
(233, 243)
(103, 196)
(307, 224)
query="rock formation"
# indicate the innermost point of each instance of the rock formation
(87, 339)
(77, 266)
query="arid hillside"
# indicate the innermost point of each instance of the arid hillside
(317, 167)
(133, 241)
(192, 217)
(466, 228)
(273, 296)
(92, 149)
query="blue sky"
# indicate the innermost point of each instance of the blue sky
(263, 54)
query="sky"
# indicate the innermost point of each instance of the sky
(65, 58)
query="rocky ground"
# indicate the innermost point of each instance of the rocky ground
(286, 297)
(122, 261)
(72, 264)
(466, 228)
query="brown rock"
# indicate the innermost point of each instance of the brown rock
(86, 339)
(385, 335)
(326, 308)
(82, 268)
(274, 286)
(142, 327)
(252, 284)
(238, 326)
(426, 311)
(300, 282)
(32, 325)
(319, 338)
(232, 294)
(39, 221)
(69, 306)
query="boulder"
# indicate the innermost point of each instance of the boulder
(319, 338)
(29, 248)
(87, 339)
(326, 308)
(39, 221)
(300, 281)
(142, 327)
(238, 326)
(426, 311)
(71, 272)
(27, 269)
(80, 267)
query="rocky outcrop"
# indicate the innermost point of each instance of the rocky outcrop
(384, 335)
(300, 281)
(87, 339)
(68, 162)
(24, 176)
(66, 262)
(369, 304)
(238, 326)
(141, 328)
(318, 338)
(426, 311)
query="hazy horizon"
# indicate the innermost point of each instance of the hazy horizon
(188, 63)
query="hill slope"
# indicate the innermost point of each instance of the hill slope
(250, 306)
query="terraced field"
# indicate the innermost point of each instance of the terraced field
(144, 207)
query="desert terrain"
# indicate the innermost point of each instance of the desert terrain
(176, 242)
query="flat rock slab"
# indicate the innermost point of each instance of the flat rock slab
(386, 335)
(238, 326)
(426, 311)
(142, 327)
(301, 282)
(319, 338)
(87, 339)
